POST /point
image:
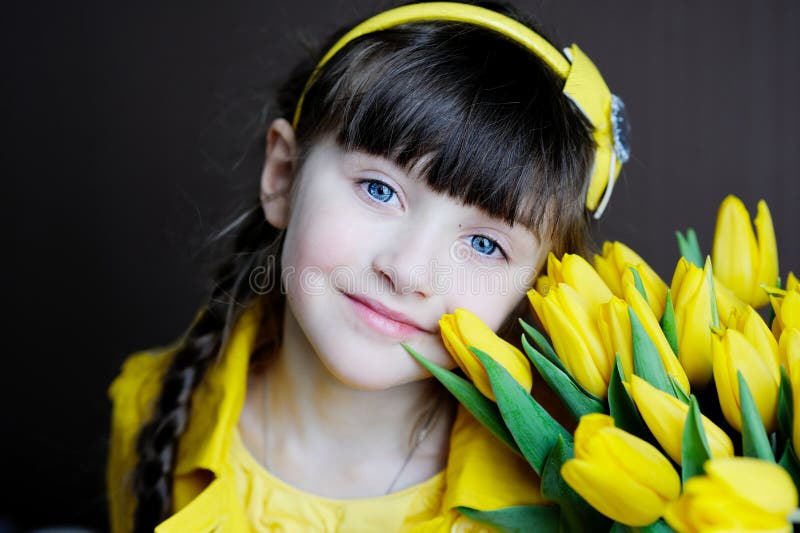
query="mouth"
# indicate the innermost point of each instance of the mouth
(384, 320)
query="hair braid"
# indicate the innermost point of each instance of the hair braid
(158, 439)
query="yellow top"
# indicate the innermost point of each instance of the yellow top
(271, 504)
(211, 470)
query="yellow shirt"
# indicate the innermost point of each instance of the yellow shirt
(219, 486)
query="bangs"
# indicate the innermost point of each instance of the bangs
(482, 119)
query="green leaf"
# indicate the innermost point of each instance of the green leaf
(646, 360)
(483, 409)
(694, 449)
(576, 514)
(620, 404)
(659, 526)
(543, 344)
(533, 429)
(520, 518)
(754, 437)
(679, 392)
(710, 280)
(668, 325)
(785, 409)
(637, 280)
(562, 384)
(790, 463)
(690, 247)
(547, 350)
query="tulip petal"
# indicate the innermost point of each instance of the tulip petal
(758, 333)
(735, 251)
(572, 349)
(606, 271)
(474, 332)
(666, 416)
(790, 309)
(465, 359)
(578, 273)
(613, 494)
(767, 254)
(727, 302)
(765, 484)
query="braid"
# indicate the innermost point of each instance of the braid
(158, 439)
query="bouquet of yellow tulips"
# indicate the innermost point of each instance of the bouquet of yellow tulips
(687, 400)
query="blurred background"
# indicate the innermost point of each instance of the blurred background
(126, 123)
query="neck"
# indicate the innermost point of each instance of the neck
(318, 428)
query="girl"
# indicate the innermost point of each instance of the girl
(428, 161)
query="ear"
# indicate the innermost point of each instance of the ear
(278, 173)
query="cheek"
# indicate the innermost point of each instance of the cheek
(492, 293)
(319, 237)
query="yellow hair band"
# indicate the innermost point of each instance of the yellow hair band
(583, 83)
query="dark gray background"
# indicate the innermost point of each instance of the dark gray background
(122, 118)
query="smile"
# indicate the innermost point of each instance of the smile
(375, 316)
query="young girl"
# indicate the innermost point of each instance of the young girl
(428, 162)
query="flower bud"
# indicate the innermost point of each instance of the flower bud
(744, 260)
(576, 338)
(613, 265)
(737, 494)
(619, 474)
(665, 416)
(733, 353)
(463, 329)
(691, 295)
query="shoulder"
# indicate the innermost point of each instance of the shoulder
(482, 473)
(132, 393)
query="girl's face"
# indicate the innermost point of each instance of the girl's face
(372, 257)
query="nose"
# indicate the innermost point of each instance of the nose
(406, 260)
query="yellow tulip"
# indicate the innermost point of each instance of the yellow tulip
(732, 353)
(614, 324)
(736, 494)
(752, 326)
(691, 295)
(613, 265)
(794, 373)
(463, 329)
(654, 331)
(786, 304)
(620, 475)
(575, 271)
(665, 415)
(792, 282)
(789, 348)
(543, 284)
(727, 302)
(565, 316)
(742, 260)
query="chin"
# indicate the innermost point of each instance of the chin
(375, 373)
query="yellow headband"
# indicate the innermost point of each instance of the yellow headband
(583, 83)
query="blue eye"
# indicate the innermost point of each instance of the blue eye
(485, 245)
(379, 190)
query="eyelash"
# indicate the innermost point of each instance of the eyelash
(494, 243)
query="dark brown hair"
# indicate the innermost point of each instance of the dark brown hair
(495, 132)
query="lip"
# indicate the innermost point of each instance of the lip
(384, 319)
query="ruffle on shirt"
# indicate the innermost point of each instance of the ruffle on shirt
(272, 505)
